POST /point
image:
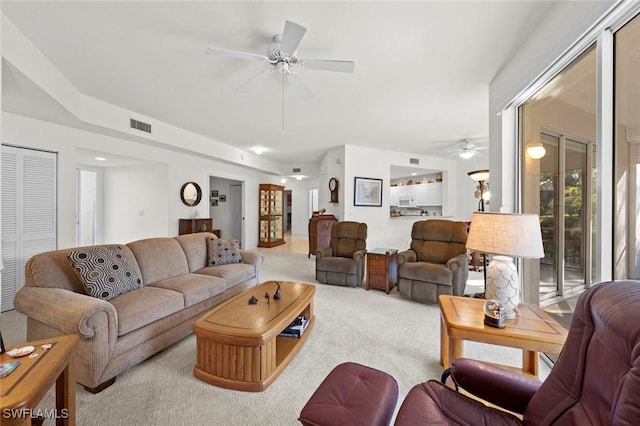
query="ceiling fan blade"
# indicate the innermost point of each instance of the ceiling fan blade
(300, 86)
(328, 65)
(291, 37)
(235, 54)
(245, 87)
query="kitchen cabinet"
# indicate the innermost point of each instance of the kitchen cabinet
(394, 196)
(429, 194)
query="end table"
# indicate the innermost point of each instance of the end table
(382, 269)
(22, 390)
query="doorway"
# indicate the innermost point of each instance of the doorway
(226, 207)
(86, 213)
(566, 191)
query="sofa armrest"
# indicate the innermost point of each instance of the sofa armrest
(324, 252)
(69, 312)
(504, 388)
(459, 265)
(358, 256)
(254, 258)
(406, 256)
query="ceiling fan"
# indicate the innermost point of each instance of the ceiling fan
(466, 150)
(282, 55)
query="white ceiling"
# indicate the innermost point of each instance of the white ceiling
(420, 83)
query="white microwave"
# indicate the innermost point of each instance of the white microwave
(407, 201)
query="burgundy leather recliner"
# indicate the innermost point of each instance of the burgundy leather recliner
(596, 380)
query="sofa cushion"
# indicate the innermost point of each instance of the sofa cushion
(337, 264)
(144, 306)
(223, 252)
(159, 258)
(425, 271)
(104, 272)
(233, 273)
(195, 247)
(194, 288)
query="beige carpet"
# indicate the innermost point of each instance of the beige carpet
(382, 331)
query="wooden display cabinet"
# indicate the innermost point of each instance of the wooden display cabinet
(271, 208)
(320, 231)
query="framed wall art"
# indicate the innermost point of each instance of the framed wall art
(367, 192)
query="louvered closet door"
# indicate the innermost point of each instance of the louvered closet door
(28, 213)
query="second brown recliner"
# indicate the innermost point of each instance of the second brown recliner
(436, 263)
(342, 263)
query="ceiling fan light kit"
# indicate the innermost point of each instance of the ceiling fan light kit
(466, 149)
(282, 55)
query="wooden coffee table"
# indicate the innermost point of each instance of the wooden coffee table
(238, 346)
(533, 331)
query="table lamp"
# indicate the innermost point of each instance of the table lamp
(505, 235)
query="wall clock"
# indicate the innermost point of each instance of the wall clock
(333, 187)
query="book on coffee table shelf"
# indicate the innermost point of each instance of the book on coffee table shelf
(296, 328)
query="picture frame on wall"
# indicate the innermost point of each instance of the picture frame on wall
(367, 192)
(223, 198)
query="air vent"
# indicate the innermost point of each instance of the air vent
(414, 161)
(139, 125)
(296, 170)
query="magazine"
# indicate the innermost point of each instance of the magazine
(296, 328)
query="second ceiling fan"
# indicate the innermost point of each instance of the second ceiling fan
(282, 55)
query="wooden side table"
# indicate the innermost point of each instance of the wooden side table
(382, 269)
(22, 390)
(533, 331)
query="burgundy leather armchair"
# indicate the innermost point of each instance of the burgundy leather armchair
(596, 380)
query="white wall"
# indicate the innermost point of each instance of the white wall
(137, 200)
(162, 181)
(350, 161)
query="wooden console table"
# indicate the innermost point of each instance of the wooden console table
(190, 226)
(22, 390)
(533, 331)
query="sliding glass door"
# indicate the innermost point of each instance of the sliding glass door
(627, 151)
(559, 186)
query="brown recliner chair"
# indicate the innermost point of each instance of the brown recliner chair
(596, 380)
(436, 263)
(342, 263)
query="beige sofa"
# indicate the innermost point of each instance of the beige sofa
(178, 287)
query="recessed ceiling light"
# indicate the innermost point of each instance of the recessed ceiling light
(413, 174)
(100, 158)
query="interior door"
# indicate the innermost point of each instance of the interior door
(86, 214)
(28, 213)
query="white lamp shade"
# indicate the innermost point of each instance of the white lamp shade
(508, 234)
(536, 150)
(479, 175)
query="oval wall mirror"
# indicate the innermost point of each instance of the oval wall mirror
(190, 194)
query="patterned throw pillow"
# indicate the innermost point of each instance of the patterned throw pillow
(104, 272)
(222, 252)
